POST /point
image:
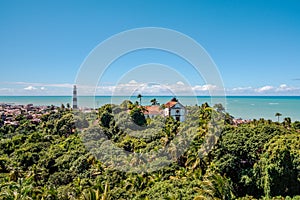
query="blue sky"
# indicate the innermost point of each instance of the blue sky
(254, 43)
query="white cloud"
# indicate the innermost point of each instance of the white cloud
(180, 83)
(27, 88)
(264, 89)
(204, 87)
(133, 87)
(59, 85)
(132, 82)
(176, 89)
(30, 88)
(242, 89)
(284, 87)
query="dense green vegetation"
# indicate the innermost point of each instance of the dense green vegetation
(59, 157)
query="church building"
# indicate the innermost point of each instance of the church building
(175, 109)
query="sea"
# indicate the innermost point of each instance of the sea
(245, 107)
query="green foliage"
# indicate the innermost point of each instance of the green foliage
(296, 125)
(278, 171)
(57, 159)
(138, 117)
(105, 115)
(239, 148)
(126, 104)
(65, 124)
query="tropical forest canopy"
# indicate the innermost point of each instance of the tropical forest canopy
(58, 158)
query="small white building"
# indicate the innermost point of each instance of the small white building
(153, 111)
(175, 109)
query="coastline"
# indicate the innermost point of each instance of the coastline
(245, 107)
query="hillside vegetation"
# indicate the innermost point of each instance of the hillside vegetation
(65, 156)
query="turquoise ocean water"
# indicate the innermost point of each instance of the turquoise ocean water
(246, 107)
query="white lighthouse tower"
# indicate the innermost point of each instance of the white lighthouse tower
(75, 98)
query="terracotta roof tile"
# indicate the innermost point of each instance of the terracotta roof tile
(170, 104)
(153, 110)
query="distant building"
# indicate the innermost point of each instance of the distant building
(172, 108)
(75, 98)
(152, 111)
(175, 109)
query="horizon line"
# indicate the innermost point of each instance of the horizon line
(152, 95)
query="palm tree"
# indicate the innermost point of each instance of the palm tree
(192, 161)
(139, 96)
(278, 115)
(214, 186)
(21, 189)
(153, 101)
(90, 194)
(287, 122)
(95, 194)
(219, 107)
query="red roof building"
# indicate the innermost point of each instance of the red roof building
(175, 109)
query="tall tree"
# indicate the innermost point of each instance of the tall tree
(287, 122)
(278, 115)
(153, 101)
(219, 107)
(139, 96)
(278, 168)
